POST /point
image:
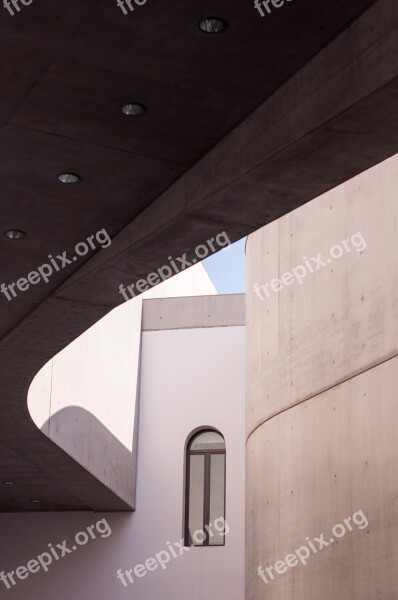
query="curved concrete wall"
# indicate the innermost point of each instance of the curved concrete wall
(321, 403)
(86, 398)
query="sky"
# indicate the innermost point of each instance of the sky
(227, 268)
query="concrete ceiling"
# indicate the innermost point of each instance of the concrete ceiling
(201, 160)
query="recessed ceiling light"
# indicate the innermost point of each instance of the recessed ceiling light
(15, 234)
(132, 109)
(34, 501)
(8, 482)
(68, 178)
(212, 25)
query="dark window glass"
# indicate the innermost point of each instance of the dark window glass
(205, 490)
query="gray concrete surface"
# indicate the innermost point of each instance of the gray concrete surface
(321, 395)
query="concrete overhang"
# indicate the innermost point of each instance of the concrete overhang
(241, 128)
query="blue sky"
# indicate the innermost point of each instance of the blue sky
(227, 268)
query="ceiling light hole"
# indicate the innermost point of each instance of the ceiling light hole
(68, 178)
(15, 234)
(133, 109)
(212, 25)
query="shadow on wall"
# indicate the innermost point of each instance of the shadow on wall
(83, 437)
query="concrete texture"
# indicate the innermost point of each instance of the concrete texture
(328, 88)
(312, 466)
(343, 318)
(203, 311)
(321, 381)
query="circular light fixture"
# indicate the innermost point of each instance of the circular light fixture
(212, 25)
(68, 178)
(15, 234)
(8, 482)
(132, 109)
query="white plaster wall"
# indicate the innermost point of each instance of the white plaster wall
(192, 378)
(189, 378)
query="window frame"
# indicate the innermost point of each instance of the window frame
(206, 487)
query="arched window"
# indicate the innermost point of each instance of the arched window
(205, 489)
